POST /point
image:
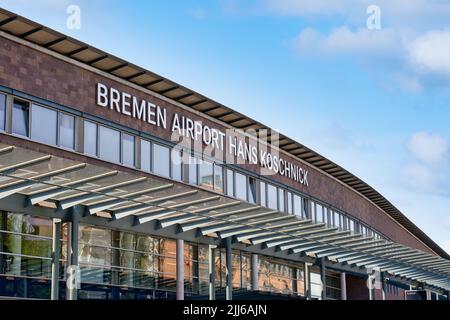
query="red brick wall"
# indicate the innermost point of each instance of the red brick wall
(46, 77)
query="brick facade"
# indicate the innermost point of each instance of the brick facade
(44, 76)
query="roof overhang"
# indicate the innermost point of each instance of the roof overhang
(115, 194)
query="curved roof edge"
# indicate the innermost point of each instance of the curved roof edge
(55, 41)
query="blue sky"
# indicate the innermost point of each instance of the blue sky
(374, 101)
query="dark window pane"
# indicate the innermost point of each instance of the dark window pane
(20, 121)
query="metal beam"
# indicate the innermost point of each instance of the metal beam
(224, 225)
(199, 221)
(139, 208)
(110, 204)
(281, 238)
(25, 164)
(17, 186)
(166, 222)
(251, 234)
(71, 201)
(155, 214)
(259, 225)
(51, 192)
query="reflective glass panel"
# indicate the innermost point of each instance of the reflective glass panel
(272, 201)
(161, 160)
(251, 190)
(262, 193)
(192, 170)
(43, 124)
(241, 186)
(66, 131)
(281, 200)
(127, 149)
(205, 174)
(109, 144)
(90, 138)
(2, 111)
(297, 205)
(20, 118)
(218, 178)
(230, 183)
(289, 202)
(177, 164)
(145, 155)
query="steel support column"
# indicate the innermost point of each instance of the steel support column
(370, 286)
(254, 269)
(229, 265)
(212, 272)
(56, 254)
(307, 281)
(73, 272)
(343, 286)
(180, 269)
(323, 278)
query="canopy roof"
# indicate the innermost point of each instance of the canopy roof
(113, 194)
(50, 39)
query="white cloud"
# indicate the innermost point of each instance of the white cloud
(419, 176)
(430, 52)
(414, 40)
(429, 148)
(344, 41)
(428, 168)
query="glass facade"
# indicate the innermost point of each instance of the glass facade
(113, 264)
(25, 255)
(280, 276)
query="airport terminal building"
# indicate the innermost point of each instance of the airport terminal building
(117, 183)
